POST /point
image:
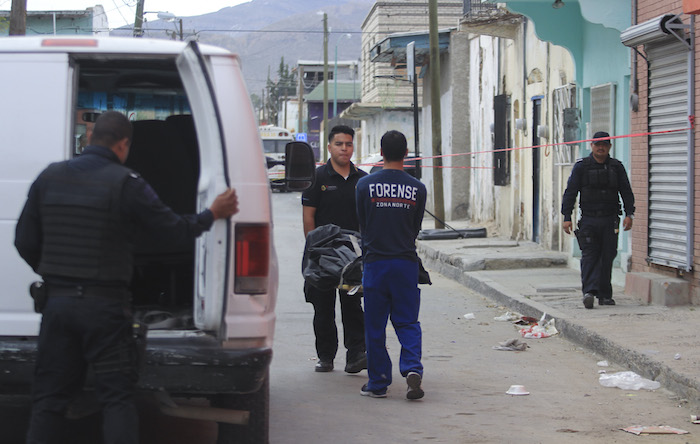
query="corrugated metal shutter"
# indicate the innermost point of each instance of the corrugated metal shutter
(668, 154)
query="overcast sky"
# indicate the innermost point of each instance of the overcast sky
(121, 12)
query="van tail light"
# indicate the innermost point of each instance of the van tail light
(252, 258)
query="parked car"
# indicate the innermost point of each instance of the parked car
(210, 305)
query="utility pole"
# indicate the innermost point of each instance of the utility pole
(322, 141)
(18, 17)
(438, 196)
(138, 20)
(300, 127)
(411, 67)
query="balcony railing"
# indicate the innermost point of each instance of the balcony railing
(474, 8)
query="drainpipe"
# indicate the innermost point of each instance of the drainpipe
(691, 147)
(635, 81)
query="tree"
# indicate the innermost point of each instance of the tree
(279, 89)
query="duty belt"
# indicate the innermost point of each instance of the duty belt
(601, 213)
(88, 291)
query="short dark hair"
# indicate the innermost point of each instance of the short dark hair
(110, 128)
(393, 145)
(340, 129)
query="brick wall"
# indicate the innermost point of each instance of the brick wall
(649, 9)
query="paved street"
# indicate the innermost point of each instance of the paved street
(465, 380)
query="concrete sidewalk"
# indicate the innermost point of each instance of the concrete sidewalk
(525, 278)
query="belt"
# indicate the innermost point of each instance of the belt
(600, 213)
(88, 291)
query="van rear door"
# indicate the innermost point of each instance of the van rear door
(37, 94)
(212, 257)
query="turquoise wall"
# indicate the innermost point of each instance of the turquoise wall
(590, 31)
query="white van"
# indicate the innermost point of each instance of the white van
(210, 304)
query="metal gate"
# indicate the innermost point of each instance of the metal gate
(669, 211)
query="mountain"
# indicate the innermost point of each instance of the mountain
(264, 31)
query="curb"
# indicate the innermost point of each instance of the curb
(683, 386)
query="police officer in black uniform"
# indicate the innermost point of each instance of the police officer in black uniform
(601, 180)
(76, 232)
(331, 200)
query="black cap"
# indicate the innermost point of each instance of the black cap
(601, 135)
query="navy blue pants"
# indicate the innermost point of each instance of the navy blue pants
(597, 238)
(76, 333)
(391, 292)
(325, 329)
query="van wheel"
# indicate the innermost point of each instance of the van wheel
(258, 404)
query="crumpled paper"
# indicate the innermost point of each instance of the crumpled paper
(627, 381)
(654, 430)
(511, 345)
(540, 330)
(508, 316)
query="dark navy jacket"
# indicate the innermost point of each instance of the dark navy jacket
(577, 183)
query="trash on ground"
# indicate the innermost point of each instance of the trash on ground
(517, 390)
(526, 320)
(627, 381)
(695, 419)
(469, 316)
(540, 330)
(603, 364)
(511, 345)
(509, 316)
(654, 430)
(677, 356)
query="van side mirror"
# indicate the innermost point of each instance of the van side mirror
(299, 165)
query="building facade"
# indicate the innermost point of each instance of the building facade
(89, 21)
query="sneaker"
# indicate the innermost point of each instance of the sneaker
(414, 391)
(364, 391)
(606, 301)
(324, 366)
(588, 300)
(356, 366)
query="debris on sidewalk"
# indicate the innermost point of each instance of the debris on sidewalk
(603, 364)
(469, 316)
(627, 381)
(511, 345)
(517, 390)
(677, 356)
(508, 316)
(654, 430)
(695, 419)
(526, 320)
(540, 329)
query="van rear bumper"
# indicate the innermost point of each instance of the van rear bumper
(182, 366)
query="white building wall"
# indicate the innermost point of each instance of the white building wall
(483, 76)
(373, 128)
(546, 67)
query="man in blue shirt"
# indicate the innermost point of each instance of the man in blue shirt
(390, 206)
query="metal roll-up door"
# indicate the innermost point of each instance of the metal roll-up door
(668, 154)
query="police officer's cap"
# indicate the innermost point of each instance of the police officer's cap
(601, 135)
